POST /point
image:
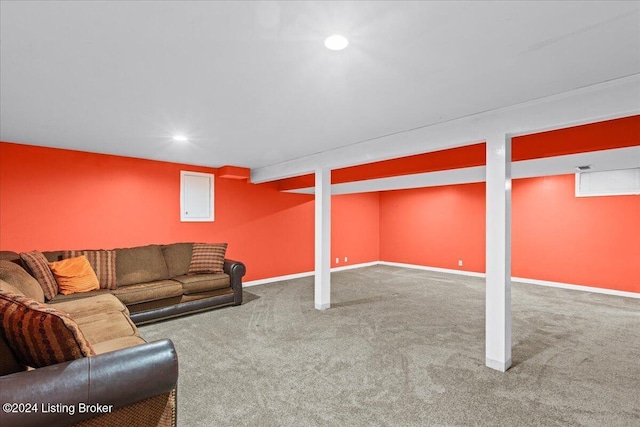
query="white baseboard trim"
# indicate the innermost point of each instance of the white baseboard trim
(352, 266)
(451, 271)
(305, 274)
(276, 279)
(440, 270)
(569, 286)
(577, 287)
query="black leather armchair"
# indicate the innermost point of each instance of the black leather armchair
(95, 388)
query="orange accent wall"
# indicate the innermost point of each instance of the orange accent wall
(453, 158)
(606, 135)
(434, 226)
(590, 241)
(355, 228)
(62, 199)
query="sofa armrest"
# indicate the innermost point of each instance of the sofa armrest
(118, 378)
(235, 270)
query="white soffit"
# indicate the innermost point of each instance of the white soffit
(620, 158)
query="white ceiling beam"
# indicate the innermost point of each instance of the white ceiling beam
(603, 101)
(619, 158)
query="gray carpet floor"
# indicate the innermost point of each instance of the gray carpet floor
(404, 347)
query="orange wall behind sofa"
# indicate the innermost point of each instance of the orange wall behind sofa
(55, 199)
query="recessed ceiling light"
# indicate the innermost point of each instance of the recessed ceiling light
(180, 138)
(336, 42)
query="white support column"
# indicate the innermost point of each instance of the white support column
(498, 256)
(323, 239)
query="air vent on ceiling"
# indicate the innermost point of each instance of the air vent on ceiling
(620, 182)
(583, 168)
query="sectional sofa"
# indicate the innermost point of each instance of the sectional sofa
(106, 373)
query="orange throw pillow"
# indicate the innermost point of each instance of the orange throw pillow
(74, 275)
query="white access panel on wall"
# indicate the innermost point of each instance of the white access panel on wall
(196, 196)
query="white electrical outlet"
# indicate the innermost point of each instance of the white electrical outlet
(345, 259)
(460, 263)
(337, 260)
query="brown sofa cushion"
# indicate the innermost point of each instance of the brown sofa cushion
(194, 283)
(38, 334)
(39, 268)
(17, 277)
(178, 258)
(101, 303)
(81, 295)
(10, 256)
(117, 344)
(52, 256)
(140, 265)
(152, 291)
(4, 286)
(207, 258)
(103, 327)
(103, 264)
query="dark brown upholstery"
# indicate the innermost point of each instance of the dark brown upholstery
(53, 256)
(9, 364)
(122, 378)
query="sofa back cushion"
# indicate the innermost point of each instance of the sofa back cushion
(103, 264)
(178, 257)
(38, 266)
(10, 256)
(18, 278)
(140, 265)
(52, 256)
(39, 335)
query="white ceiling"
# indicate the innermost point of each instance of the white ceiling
(252, 84)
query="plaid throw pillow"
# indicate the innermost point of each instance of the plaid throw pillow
(102, 262)
(39, 267)
(207, 258)
(38, 334)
